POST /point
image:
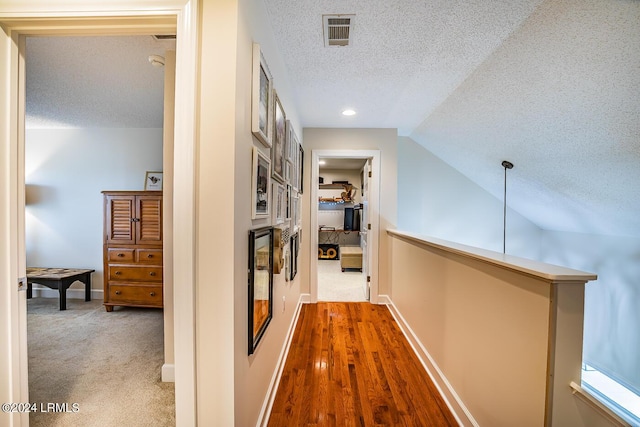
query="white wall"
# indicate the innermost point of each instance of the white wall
(436, 200)
(612, 303)
(66, 170)
(232, 385)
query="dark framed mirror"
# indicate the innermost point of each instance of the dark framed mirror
(260, 284)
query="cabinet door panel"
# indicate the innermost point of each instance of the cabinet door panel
(120, 227)
(149, 226)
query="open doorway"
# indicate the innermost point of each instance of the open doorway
(112, 19)
(345, 214)
(104, 134)
(341, 237)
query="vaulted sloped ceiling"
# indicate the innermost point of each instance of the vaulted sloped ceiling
(560, 98)
(553, 86)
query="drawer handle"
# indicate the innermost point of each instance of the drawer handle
(120, 255)
(150, 256)
(118, 273)
(153, 294)
(117, 292)
(152, 273)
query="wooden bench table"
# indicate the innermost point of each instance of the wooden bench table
(60, 279)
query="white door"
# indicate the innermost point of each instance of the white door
(364, 225)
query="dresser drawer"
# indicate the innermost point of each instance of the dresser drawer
(136, 294)
(149, 256)
(135, 273)
(121, 255)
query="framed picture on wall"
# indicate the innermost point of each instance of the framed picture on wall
(292, 155)
(295, 200)
(260, 284)
(300, 168)
(261, 102)
(289, 142)
(279, 140)
(260, 179)
(294, 175)
(293, 256)
(287, 263)
(153, 181)
(288, 202)
(279, 203)
(291, 149)
(288, 171)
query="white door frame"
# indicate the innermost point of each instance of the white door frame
(79, 17)
(374, 214)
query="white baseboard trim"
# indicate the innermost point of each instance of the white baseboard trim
(451, 398)
(384, 300)
(305, 298)
(44, 292)
(265, 411)
(168, 373)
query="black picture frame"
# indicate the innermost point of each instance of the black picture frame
(293, 249)
(301, 170)
(260, 284)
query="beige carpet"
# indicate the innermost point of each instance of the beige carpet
(336, 285)
(106, 363)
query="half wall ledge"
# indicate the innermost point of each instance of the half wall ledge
(501, 335)
(547, 272)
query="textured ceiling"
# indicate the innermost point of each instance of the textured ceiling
(553, 86)
(560, 98)
(80, 82)
(406, 58)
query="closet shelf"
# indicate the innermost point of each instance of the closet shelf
(335, 186)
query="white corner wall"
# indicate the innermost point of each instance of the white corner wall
(436, 200)
(65, 172)
(612, 303)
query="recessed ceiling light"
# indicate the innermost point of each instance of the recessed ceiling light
(349, 112)
(322, 162)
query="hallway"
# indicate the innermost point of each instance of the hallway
(350, 365)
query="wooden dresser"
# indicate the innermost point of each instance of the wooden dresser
(132, 248)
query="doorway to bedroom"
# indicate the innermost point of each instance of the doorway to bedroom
(106, 133)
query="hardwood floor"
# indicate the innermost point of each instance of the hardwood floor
(350, 365)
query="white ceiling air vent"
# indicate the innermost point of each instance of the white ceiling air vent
(337, 30)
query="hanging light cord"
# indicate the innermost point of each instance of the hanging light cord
(506, 165)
